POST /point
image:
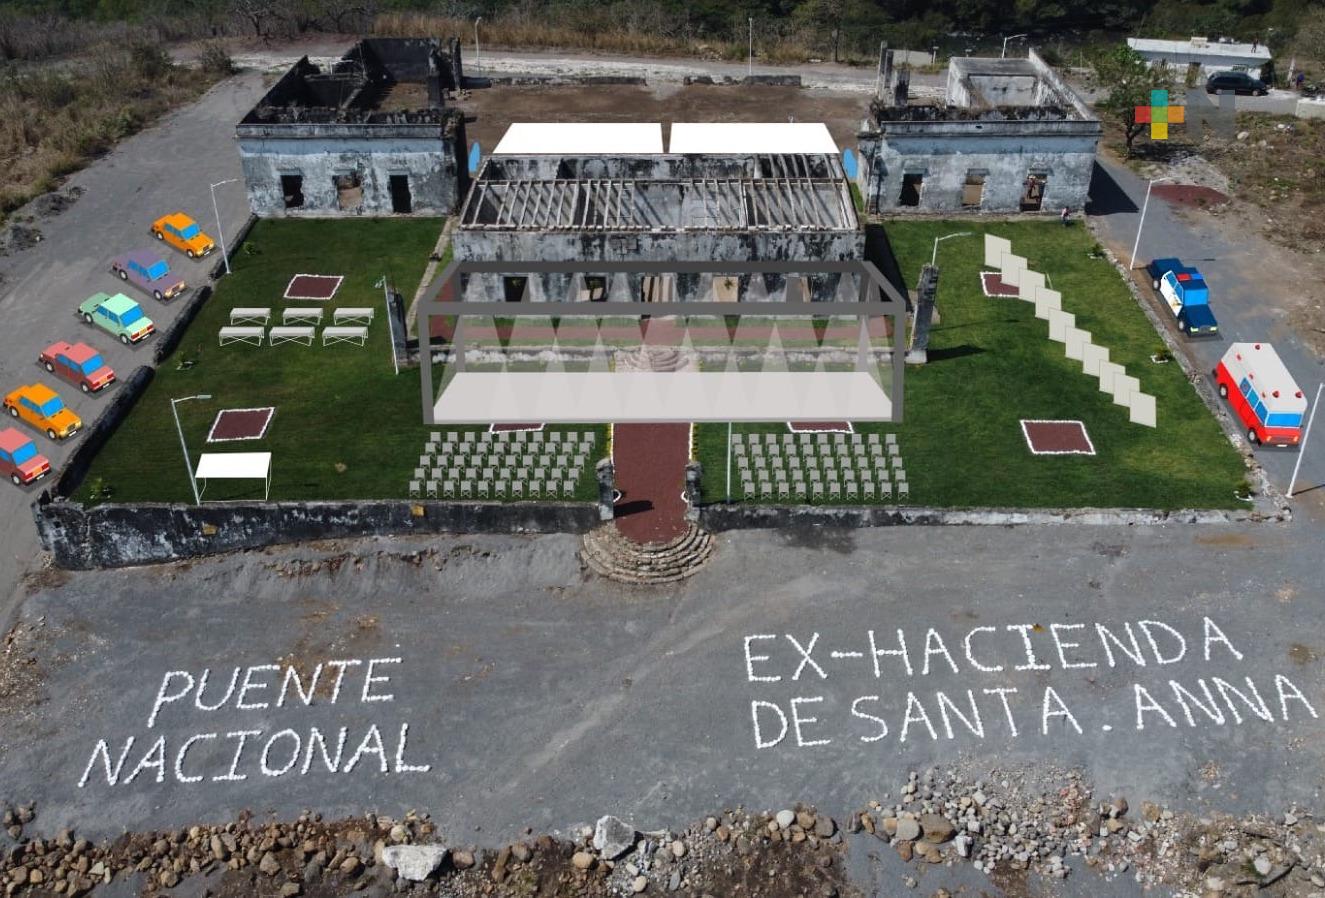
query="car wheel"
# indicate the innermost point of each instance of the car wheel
(87, 318)
(13, 412)
(124, 275)
(50, 433)
(49, 367)
(124, 338)
(157, 294)
(1223, 391)
(159, 235)
(84, 387)
(1251, 436)
(18, 481)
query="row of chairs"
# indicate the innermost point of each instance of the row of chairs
(842, 450)
(445, 459)
(483, 488)
(812, 439)
(535, 437)
(819, 490)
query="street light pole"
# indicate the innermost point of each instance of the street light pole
(220, 235)
(750, 64)
(933, 259)
(188, 465)
(386, 299)
(1004, 54)
(477, 59)
(1142, 223)
(1306, 435)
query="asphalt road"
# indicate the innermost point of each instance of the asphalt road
(538, 698)
(1236, 273)
(167, 167)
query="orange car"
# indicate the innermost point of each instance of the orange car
(183, 233)
(42, 407)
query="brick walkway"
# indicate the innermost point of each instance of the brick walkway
(650, 464)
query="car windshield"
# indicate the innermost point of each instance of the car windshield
(92, 364)
(129, 316)
(51, 406)
(24, 452)
(158, 270)
(190, 232)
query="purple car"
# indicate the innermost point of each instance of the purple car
(149, 272)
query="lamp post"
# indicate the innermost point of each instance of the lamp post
(1306, 435)
(1142, 223)
(220, 235)
(188, 465)
(750, 64)
(477, 59)
(386, 299)
(933, 259)
(1010, 37)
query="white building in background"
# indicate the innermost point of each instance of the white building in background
(1209, 56)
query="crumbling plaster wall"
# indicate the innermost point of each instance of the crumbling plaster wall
(431, 163)
(718, 246)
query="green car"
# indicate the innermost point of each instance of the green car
(118, 315)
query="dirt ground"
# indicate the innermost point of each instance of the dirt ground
(497, 107)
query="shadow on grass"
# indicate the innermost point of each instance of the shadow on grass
(954, 352)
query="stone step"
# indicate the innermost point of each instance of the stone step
(611, 555)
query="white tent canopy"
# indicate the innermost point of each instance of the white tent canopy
(751, 137)
(235, 466)
(580, 138)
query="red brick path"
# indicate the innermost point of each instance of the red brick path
(650, 464)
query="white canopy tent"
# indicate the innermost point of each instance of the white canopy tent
(234, 466)
(587, 138)
(751, 137)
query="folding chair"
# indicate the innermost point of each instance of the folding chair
(738, 449)
(839, 439)
(765, 490)
(419, 473)
(868, 488)
(780, 475)
(821, 439)
(574, 472)
(483, 489)
(788, 439)
(534, 489)
(903, 488)
(555, 436)
(873, 439)
(856, 439)
(551, 488)
(798, 475)
(517, 489)
(817, 490)
(468, 437)
(425, 461)
(501, 488)
(834, 489)
(799, 487)
(885, 488)
(803, 439)
(536, 437)
(452, 436)
(467, 488)
(567, 488)
(414, 487)
(520, 436)
(890, 439)
(853, 491)
(748, 488)
(435, 436)
(432, 489)
(448, 489)
(896, 461)
(770, 439)
(783, 489)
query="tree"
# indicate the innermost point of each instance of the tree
(1129, 80)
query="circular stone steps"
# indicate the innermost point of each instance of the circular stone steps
(653, 358)
(609, 554)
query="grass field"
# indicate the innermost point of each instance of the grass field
(346, 426)
(992, 363)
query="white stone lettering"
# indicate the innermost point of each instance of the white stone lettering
(751, 659)
(102, 751)
(972, 723)
(970, 655)
(797, 721)
(369, 680)
(233, 775)
(805, 653)
(760, 741)
(1055, 630)
(876, 653)
(183, 751)
(882, 724)
(1062, 711)
(371, 745)
(934, 646)
(1146, 702)
(267, 769)
(923, 717)
(164, 697)
(240, 702)
(1181, 641)
(1032, 663)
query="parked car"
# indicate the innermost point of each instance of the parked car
(19, 459)
(1184, 291)
(118, 316)
(183, 233)
(149, 272)
(1263, 394)
(1238, 82)
(41, 407)
(79, 364)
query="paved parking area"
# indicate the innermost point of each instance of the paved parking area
(486, 680)
(167, 167)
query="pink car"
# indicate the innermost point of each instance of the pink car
(79, 364)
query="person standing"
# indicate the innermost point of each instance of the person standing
(1064, 216)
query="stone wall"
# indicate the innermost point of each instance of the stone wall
(111, 535)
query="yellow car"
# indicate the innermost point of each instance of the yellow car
(42, 407)
(183, 233)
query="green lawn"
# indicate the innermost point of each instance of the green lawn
(992, 363)
(346, 426)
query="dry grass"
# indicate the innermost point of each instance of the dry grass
(54, 119)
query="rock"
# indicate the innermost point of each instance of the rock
(963, 844)
(269, 865)
(639, 884)
(723, 832)
(463, 860)
(710, 823)
(613, 837)
(351, 865)
(582, 860)
(1262, 866)
(414, 863)
(824, 826)
(168, 878)
(674, 882)
(908, 829)
(1118, 807)
(905, 850)
(805, 820)
(937, 828)
(291, 889)
(853, 824)
(520, 851)
(678, 849)
(1150, 811)
(785, 818)
(399, 833)
(931, 852)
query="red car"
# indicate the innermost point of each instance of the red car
(19, 459)
(79, 364)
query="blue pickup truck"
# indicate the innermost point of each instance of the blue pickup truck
(1186, 294)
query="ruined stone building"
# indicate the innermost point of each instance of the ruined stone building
(371, 135)
(740, 203)
(1010, 136)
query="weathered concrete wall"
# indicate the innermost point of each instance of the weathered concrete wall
(118, 535)
(626, 247)
(433, 165)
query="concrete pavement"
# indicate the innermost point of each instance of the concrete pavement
(166, 167)
(1239, 270)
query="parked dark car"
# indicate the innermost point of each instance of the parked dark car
(1238, 82)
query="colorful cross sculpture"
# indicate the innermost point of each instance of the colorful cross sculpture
(1159, 115)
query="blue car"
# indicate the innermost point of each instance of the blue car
(1186, 294)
